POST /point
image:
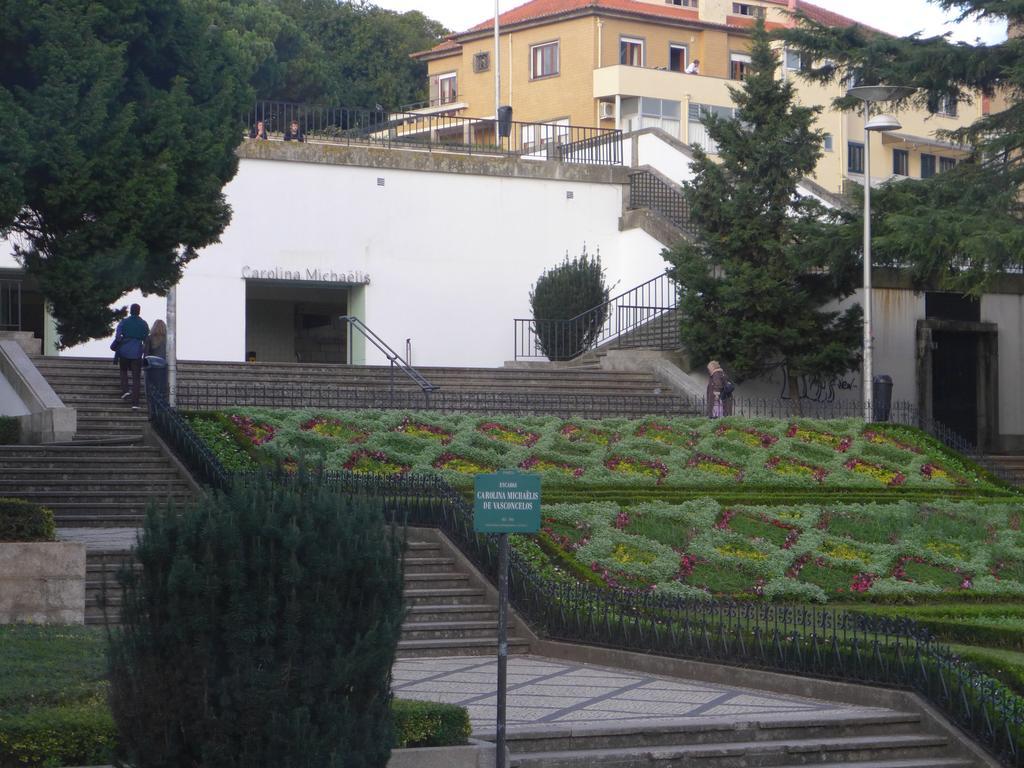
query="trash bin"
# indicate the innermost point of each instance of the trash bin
(504, 121)
(156, 376)
(881, 397)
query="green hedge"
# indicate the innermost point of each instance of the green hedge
(10, 430)
(24, 521)
(429, 724)
(81, 733)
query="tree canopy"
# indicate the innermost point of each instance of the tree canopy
(961, 228)
(122, 118)
(766, 261)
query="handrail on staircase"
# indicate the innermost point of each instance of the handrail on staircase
(618, 319)
(395, 359)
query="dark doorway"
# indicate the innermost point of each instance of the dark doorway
(289, 322)
(955, 381)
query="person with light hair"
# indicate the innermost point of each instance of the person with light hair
(719, 396)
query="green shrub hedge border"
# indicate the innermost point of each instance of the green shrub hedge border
(83, 733)
(23, 521)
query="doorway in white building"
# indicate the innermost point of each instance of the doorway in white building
(294, 322)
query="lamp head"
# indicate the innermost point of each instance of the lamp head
(874, 93)
(883, 123)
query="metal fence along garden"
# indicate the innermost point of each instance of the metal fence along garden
(806, 640)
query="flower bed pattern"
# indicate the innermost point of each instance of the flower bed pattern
(537, 464)
(665, 433)
(374, 463)
(884, 475)
(930, 471)
(839, 443)
(880, 438)
(716, 466)
(747, 435)
(419, 429)
(638, 467)
(506, 434)
(335, 428)
(785, 465)
(257, 433)
(577, 434)
(461, 464)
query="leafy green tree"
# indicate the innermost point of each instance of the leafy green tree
(121, 120)
(260, 632)
(569, 306)
(755, 282)
(960, 229)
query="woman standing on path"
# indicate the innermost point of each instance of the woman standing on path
(719, 401)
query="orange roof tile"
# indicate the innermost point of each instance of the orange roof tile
(539, 9)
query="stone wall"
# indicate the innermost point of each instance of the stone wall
(42, 583)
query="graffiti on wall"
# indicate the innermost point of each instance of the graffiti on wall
(815, 388)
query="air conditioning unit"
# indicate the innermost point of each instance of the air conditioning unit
(606, 110)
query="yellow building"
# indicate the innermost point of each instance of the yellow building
(630, 64)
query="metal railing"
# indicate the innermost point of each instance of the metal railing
(395, 360)
(437, 132)
(650, 190)
(812, 641)
(10, 305)
(642, 317)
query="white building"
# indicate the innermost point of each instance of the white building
(436, 253)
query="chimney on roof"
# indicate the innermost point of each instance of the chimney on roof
(792, 6)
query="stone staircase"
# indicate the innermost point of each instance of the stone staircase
(450, 610)
(110, 472)
(885, 739)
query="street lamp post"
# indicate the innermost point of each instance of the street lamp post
(870, 94)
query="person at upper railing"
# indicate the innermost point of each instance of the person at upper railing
(258, 131)
(294, 132)
(693, 68)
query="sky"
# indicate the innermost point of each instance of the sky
(899, 17)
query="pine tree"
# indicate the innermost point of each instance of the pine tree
(755, 282)
(260, 633)
(569, 306)
(962, 228)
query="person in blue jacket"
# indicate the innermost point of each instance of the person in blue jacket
(130, 346)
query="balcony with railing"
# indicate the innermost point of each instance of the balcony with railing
(272, 121)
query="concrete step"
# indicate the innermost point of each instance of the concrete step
(437, 613)
(113, 485)
(421, 581)
(418, 565)
(87, 473)
(722, 731)
(458, 596)
(849, 750)
(448, 630)
(481, 646)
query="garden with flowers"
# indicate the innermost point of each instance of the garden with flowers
(881, 517)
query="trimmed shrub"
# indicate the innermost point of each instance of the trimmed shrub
(24, 521)
(82, 733)
(429, 724)
(10, 430)
(569, 292)
(260, 632)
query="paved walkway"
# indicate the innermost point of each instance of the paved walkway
(553, 693)
(101, 538)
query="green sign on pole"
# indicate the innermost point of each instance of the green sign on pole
(507, 502)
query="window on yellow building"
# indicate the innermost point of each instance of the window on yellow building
(746, 9)
(683, 3)
(927, 165)
(947, 164)
(678, 56)
(443, 88)
(946, 105)
(900, 162)
(543, 60)
(631, 51)
(739, 65)
(855, 157)
(481, 61)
